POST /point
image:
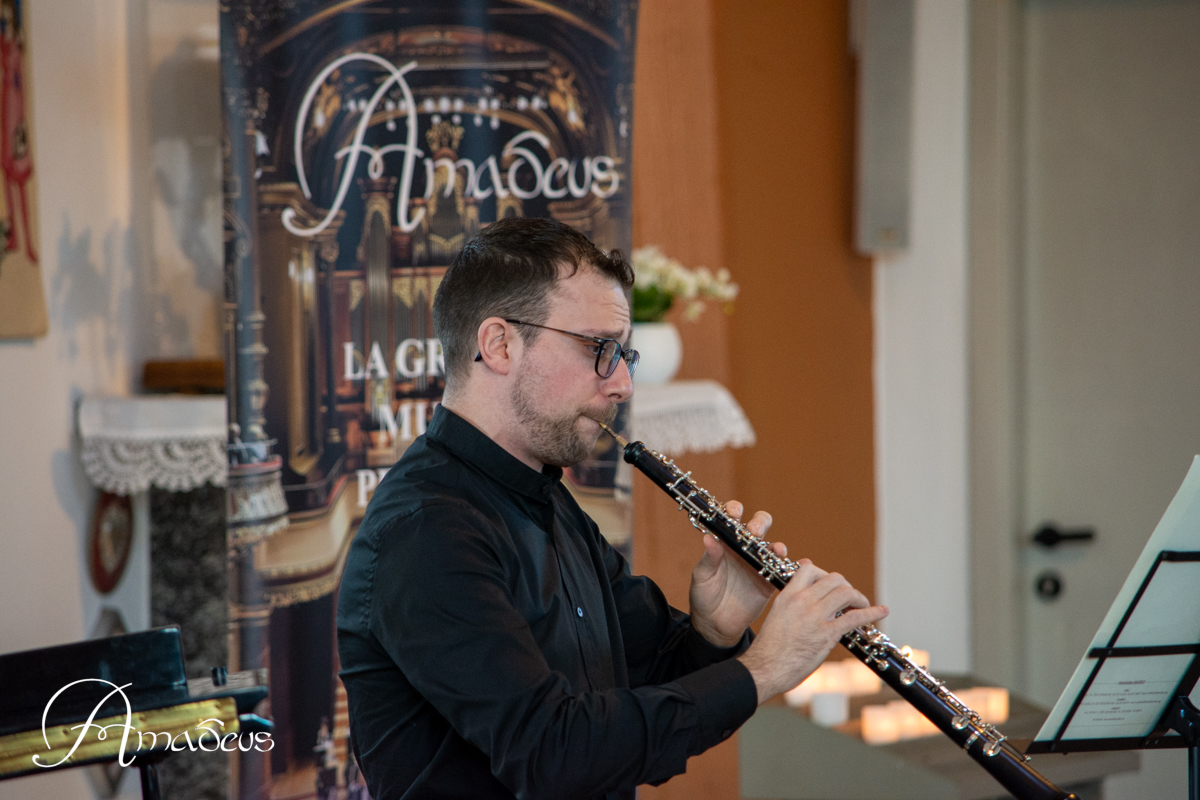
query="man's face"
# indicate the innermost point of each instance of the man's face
(557, 395)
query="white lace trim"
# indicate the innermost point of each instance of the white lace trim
(124, 467)
(133, 443)
(689, 416)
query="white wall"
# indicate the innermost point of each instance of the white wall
(921, 364)
(81, 112)
(80, 109)
(110, 304)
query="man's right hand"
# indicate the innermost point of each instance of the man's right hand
(803, 626)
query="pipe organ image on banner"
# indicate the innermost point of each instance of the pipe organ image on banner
(365, 143)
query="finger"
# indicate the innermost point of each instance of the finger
(841, 599)
(779, 548)
(836, 583)
(759, 523)
(734, 509)
(858, 617)
(805, 576)
(714, 551)
(713, 548)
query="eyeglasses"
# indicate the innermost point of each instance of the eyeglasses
(608, 351)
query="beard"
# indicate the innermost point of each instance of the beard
(557, 439)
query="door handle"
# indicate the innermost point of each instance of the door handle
(1049, 535)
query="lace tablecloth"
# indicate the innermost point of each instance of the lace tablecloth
(689, 416)
(175, 442)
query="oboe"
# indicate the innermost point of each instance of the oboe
(982, 741)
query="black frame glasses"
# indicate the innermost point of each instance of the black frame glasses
(608, 351)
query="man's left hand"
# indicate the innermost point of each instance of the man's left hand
(727, 594)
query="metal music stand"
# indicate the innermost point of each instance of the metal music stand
(1132, 693)
(1133, 688)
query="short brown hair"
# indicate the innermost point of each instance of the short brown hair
(507, 270)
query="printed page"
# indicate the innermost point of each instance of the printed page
(1130, 694)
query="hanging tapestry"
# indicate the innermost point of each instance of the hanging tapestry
(22, 301)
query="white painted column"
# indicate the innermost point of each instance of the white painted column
(920, 302)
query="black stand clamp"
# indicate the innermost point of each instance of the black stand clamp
(1185, 718)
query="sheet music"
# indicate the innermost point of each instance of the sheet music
(1169, 611)
(1127, 698)
(1130, 694)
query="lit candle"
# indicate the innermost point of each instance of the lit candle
(852, 678)
(879, 725)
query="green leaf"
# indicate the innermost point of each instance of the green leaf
(650, 304)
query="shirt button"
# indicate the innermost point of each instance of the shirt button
(579, 611)
(726, 734)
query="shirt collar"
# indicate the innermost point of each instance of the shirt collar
(478, 449)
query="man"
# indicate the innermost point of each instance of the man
(492, 644)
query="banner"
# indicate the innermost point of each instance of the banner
(366, 141)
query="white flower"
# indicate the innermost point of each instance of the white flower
(654, 269)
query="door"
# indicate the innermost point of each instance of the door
(1111, 290)
(1086, 317)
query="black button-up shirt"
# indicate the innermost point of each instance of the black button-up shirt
(494, 645)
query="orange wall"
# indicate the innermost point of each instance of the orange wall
(743, 157)
(677, 205)
(801, 336)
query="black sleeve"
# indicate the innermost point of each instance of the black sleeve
(660, 642)
(454, 630)
(661, 646)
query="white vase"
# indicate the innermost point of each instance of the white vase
(660, 348)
